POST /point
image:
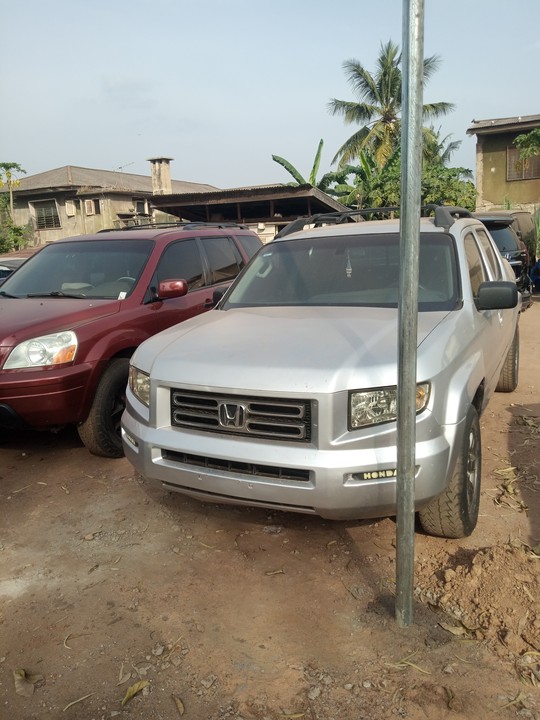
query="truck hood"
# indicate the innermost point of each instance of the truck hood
(305, 349)
(24, 318)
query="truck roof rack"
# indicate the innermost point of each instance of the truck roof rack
(445, 216)
(331, 218)
(184, 224)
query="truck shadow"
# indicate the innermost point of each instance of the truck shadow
(524, 447)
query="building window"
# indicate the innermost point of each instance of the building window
(517, 169)
(71, 210)
(141, 206)
(92, 207)
(46, 215)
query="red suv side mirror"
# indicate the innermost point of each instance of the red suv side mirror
(172, 289)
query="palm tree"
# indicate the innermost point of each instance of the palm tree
(379, 105)
(437, 150)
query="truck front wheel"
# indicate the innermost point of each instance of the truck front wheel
(100, 432)
(454, 513)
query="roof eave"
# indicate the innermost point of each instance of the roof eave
(504, 125)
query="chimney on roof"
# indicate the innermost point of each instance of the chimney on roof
(161, 175)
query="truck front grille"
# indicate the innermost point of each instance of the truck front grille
(239, 468)
(280, 418)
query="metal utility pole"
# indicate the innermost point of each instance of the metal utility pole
(411, 175)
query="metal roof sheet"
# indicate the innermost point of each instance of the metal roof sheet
(520, 123)
(73, 177)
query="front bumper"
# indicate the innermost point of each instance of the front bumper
(42, 398)
(338, 483)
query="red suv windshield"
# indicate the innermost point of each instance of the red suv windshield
(93, 268)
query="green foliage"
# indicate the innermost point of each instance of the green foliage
(289, 167)
(448, 186)
(298, 177)
(378, 105)
(528, 144)
(7, 178)
(437, 150)
(12, 237)
(6, 173)
(372, 186)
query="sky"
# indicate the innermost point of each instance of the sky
(220, 86)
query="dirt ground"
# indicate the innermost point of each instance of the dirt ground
(111, 587)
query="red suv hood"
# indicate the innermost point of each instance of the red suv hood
(23, 318)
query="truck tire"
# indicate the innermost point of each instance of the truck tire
(100, 432)
(454, 513)
(508, 379)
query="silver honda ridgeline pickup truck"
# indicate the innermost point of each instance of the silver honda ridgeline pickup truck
(284, 395)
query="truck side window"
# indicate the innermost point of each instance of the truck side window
(477, 271)
(492, 258)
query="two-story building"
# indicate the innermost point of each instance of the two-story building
(503, 180)
(74, 200)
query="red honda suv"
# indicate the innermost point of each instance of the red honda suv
(72, 315)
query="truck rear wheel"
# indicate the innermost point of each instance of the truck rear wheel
(508, 379)
(454, 513)
(100, 432)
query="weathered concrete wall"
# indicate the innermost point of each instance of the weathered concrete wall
(492, 186)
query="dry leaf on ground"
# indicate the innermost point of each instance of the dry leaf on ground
(25, 682)
(179, 705)
(134, 690)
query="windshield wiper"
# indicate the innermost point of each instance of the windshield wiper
(56, 293)
(3, 293)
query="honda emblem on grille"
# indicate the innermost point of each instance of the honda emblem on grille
(232, 415)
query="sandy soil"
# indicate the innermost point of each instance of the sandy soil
(219, 613)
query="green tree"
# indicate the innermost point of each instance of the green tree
(528, 144)
(369, 185)
(437, 150)
(378, 105)
(12, 237)
(357, 188)
(448, 186)
(7, 178)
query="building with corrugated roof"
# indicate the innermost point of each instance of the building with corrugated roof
(502, 178)
(72, 200)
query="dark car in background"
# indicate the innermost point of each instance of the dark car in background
(500, 227)
(525, 227)
(72, 315)
(9, 265)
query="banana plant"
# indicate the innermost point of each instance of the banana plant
(298, 177)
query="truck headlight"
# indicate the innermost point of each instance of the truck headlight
(43, 351)
(379, 405)
(139, 384)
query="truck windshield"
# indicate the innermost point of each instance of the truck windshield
(357, 270)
